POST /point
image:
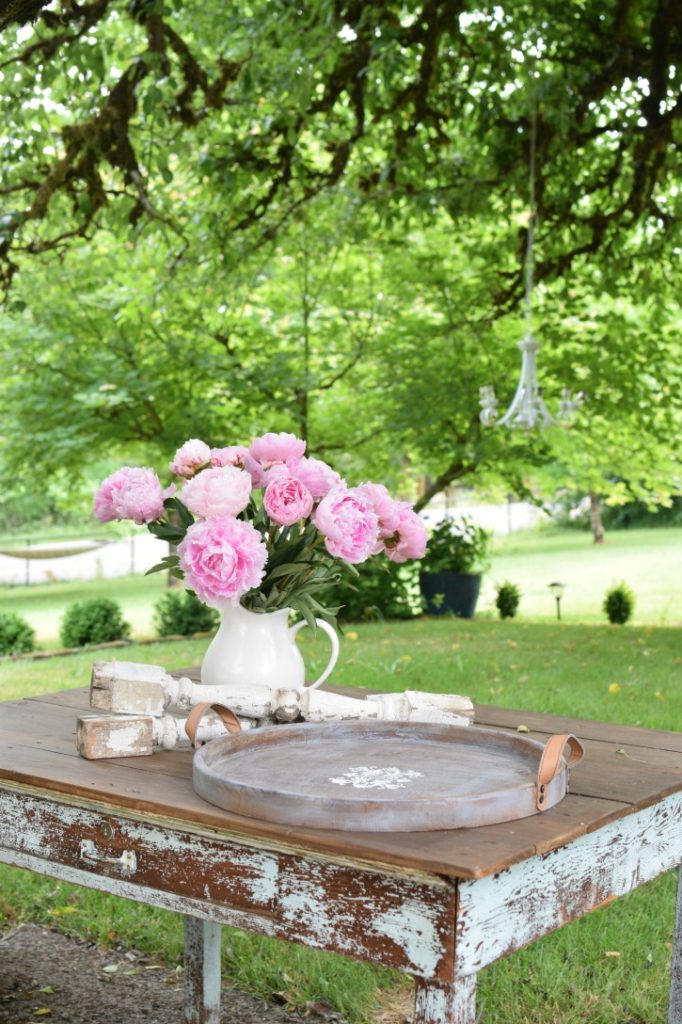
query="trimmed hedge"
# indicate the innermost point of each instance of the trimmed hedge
(16, 636)
(181, 613)
(96, 621)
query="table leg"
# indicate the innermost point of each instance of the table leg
(436, 1003)
(675, 1004)
(202, 971)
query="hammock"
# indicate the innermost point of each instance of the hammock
(63, 550)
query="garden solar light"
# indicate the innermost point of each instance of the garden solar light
(558, 591)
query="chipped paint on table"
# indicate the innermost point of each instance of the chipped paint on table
(500, 913)
(401, 921)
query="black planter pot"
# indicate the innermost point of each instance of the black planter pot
(454, 593)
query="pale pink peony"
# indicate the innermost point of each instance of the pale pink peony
(286, 501)
(190, 457)
(279, 471)
(280, 447)
(237, 455)
(130, 493)
(409, 538)
(387, 509)
(222, 559)
(223, 491)
(316, 475)
(349, 525)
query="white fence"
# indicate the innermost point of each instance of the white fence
(500, 519)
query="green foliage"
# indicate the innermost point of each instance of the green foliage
(16, 636)
(381, 590)
(227, 119)
(297, 205)
(636, 514)
(457, 545)
(619, 604)
(181, 613)
(96, 621)
(507, 598)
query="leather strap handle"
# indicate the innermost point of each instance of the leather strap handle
(551, 763)
(227, 717)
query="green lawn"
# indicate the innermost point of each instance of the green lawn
(567, 978)
(649, 561)
(44, 604)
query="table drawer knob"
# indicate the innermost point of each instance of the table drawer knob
(126, 863)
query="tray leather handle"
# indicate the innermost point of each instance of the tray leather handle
(551, 763)
(227, 717)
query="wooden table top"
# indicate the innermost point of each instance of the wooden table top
(624, 770)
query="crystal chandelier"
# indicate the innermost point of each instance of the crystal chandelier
(528, 409)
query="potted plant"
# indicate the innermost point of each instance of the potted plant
(451, 570)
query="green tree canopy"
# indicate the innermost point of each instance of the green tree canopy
(166, 112)
(261, 216)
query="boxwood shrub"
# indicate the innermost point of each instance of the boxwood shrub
(16, 636)
(96, 621)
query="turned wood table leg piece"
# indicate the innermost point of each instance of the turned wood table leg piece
(202, 971)
(445, 1004)
(675, 1005)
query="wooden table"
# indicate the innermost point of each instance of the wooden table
(438, 906)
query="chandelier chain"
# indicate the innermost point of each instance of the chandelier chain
(529, 262)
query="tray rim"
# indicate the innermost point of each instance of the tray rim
(367, 813)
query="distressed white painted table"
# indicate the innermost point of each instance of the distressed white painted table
(438, 906)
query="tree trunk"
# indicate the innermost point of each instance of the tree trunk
(434, 487)
(595, 518)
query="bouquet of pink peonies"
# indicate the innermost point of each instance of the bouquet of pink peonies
(264, 526)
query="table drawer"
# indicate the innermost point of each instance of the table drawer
(144, 853)
(392, 918)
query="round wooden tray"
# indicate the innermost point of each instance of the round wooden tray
(383, 776)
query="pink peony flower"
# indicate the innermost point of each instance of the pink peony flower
(130, 493)
(279, 471)
(223, 491)
(387, 508)
(349, 525)
(286, 501)
(222, 559)
(237, 455)
(409, 537)
(272, 448)
(316, 475)
(190, 457)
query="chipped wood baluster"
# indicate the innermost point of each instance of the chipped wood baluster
(202, 971)
(675, 1004)
(438, 1003)
(128, 688)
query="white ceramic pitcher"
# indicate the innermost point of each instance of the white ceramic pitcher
(259, 648)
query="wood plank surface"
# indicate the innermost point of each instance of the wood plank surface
(37, 749)
(585, 728)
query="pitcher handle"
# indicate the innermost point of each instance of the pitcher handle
(331, 633)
